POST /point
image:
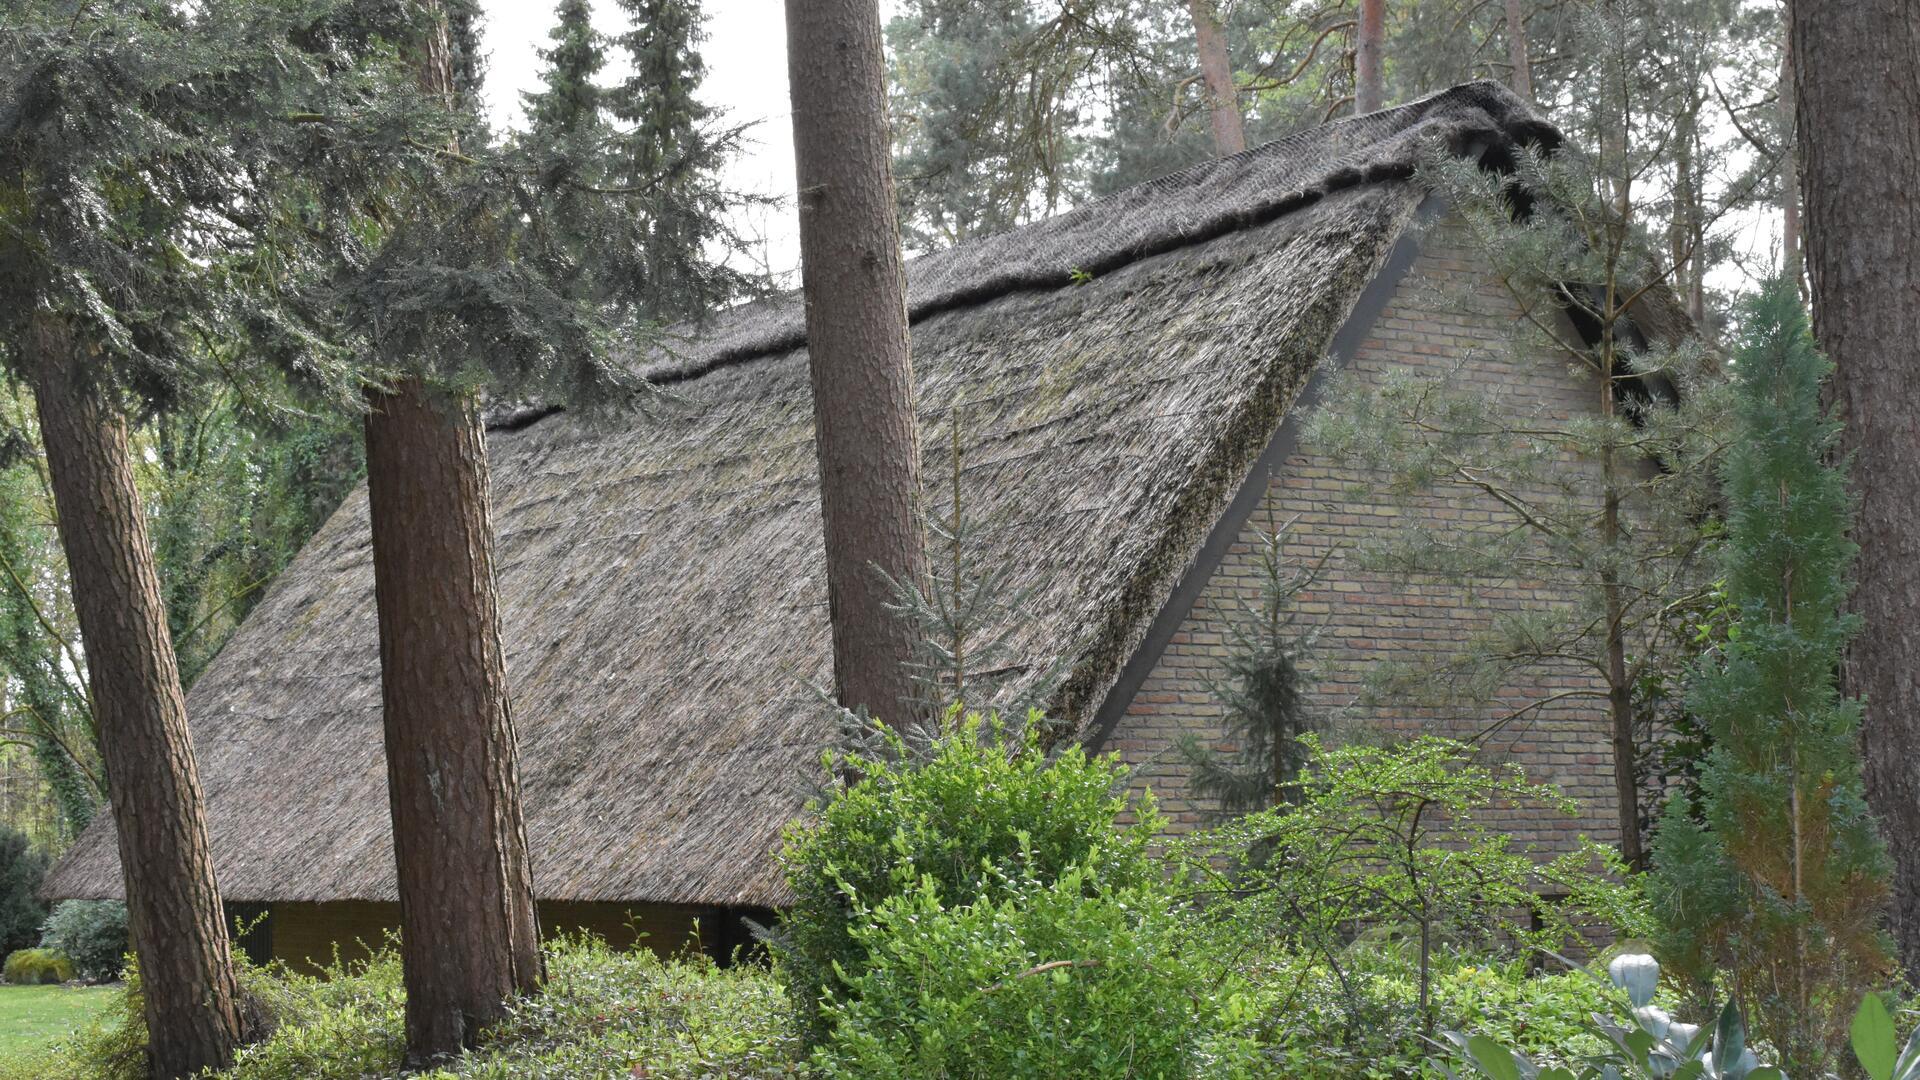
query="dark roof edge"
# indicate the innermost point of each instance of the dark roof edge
(1482, 120)
(1253, 489)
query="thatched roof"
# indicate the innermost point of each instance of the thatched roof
(661, 582)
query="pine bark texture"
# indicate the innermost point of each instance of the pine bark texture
(1856, 73)
(1368, 50)
(1216, 75)
(862, 376)
(468, 936)
(1517, 52)
(173, 901)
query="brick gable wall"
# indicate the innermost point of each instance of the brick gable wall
(1371, 616)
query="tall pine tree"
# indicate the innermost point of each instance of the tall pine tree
(569, 101)
(666, 153)
(1780, 878)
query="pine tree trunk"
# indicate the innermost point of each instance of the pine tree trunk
(1216, 73)
(1517, 51)
(1626, 788)
(1368, 48)
(1686, 230)
(1791, 265)
(173, 902)
(467, 929)
(857, 345)
(1856, 66)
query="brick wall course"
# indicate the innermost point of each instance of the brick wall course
(1371, 617)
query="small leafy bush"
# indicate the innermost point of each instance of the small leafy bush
(1362, 1021)
(979, 808)
(31, 967)
(92, 934)
(1650, 1046)
(1064, 978)
(1392, 845)
(22, 867)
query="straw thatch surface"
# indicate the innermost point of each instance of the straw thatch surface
(661, 582)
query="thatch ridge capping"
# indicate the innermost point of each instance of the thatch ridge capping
(1483, 119)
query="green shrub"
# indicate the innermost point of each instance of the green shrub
(92, 934)
(22, 866)
(1362, 1021)
(1067, 978)
(27, 967)
(1650, 1045)
(979, 807)
(603, 1013)
(1393, 844)
(600, 1014)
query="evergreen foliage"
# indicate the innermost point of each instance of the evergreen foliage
(1610, 503)
(132, 195)
(978, 148)
(568, 100)
(1262, 684)
(644, 147)
(46, 679)
(667, 150)
(968, 619)
(22, 866)
(1073, 977)
(1781, 886)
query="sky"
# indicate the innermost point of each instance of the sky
(746, 57)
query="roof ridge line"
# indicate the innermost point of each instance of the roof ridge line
(1480, 119)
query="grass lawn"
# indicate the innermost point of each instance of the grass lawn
(31, 1016)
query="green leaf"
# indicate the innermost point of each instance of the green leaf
(1908, 1067)
(1729, 1038)
(1874, 1042)
(1495, 1060)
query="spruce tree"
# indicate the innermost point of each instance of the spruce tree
(1263, 690)
(568, 101)
(666, 154)
(1778, 882)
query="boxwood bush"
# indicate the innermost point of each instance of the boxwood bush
(952, 825)
(1067, 978)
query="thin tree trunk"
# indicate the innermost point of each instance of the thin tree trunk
(1216, 73)
(1626, 788)
(468, 935)
(1687, 232)
(173, 902)
(868, 450)
(1791, 263)
(1856, 73)
(1517, 49)
(1367, 56)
